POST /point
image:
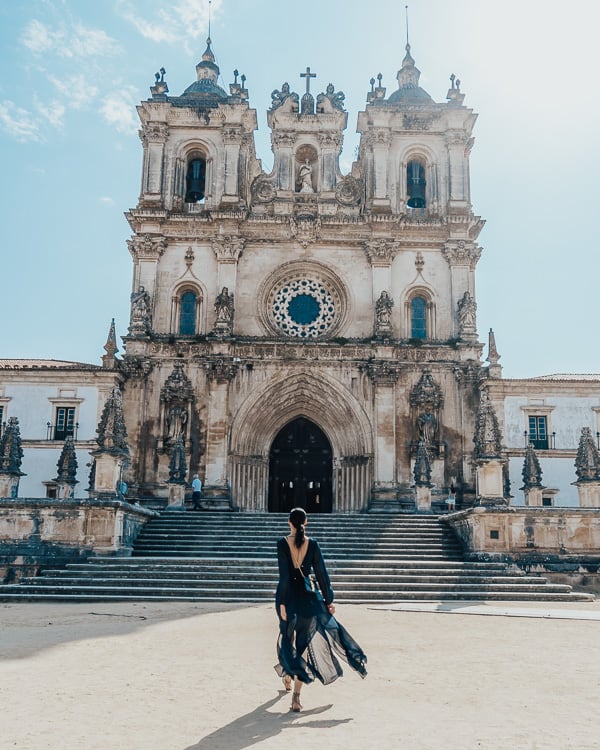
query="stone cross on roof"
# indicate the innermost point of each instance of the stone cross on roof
(308, 75)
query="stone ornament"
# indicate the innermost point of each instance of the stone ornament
(487, 439)
(383, 314)
(587, 461)
(112, 433)
(263, 190)
(381, 252)
(11, 452)
(224, 310)
(467, 316)
(461, 253)
(141, 320)
(280, 97)
(349, 191)
(303, 308)
(335, 98)
(422, 468)
(532, 471)
(176, 396)
(177, 463)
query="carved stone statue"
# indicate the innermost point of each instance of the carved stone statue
(177, 418)
(305, 178)
(140, 312)
(467, 315)
(427, 424)
(335, 97)
(224, 309)
(383, 314)
(279, 97)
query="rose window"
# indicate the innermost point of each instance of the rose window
(303, 308)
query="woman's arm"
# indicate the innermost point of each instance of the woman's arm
(283, 587)
(323, 577)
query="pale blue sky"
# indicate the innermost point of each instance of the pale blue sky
(73, 71)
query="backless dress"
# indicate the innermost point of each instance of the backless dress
(311, 640)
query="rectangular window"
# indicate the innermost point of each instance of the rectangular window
(538, 432)
(64, 424)
(547, 502)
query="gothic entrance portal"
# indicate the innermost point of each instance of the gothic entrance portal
(300, 469)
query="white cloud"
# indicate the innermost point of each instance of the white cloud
(74, 41)
(75, 88)
(19, 123)
(107, 200)
(118, 111)
(183, 20)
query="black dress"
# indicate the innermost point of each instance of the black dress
(311, 640)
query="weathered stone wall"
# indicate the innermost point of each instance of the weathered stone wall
(560, 543)
(39, 533)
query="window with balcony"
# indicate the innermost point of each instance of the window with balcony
(538, 432)
(64, 423)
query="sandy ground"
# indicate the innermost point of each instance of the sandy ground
(199, 677)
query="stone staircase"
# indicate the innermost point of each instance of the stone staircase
(231, 557)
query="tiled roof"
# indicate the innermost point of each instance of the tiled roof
(45, 364)
(568, 376)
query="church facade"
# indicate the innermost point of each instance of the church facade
(300, 333)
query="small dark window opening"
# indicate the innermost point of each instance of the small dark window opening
(195, 183)
(494, 534)
(187, 314)
(538, 432)
(547, 502)
(415, 185)
(418, 318)
(65, 422)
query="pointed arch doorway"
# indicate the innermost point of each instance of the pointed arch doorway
(300, 469)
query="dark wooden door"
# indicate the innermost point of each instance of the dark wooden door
(300, 469)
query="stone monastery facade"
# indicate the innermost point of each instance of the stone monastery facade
(305, 337)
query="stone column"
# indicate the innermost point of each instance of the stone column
(228, 250)
(380, 140)
(216, 494)
(154, 136)
(283, 143)
(232, 140)
(385, 492)
(330, 146)
(462, 258)
(381, 254)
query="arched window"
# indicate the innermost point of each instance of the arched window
(187, 314)
(415, 185)
(418, 318)
(195, 181)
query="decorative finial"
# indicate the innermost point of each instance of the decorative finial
(236, 73)
(372, 82)
(406, 12)
(379, 77)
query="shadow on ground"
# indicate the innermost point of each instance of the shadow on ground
(262, 724)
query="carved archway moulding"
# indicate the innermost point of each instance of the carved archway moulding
(320, 399)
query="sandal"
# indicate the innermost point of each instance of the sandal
(287, 682)
(296, 705)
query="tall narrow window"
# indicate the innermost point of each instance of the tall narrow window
(418, 318)
(415, 185)
(538, 432)
(65, 422)
(187, 314)
(1, 419)
(195, 183)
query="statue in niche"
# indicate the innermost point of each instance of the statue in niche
(177, 418)
(305, 178)
(224, 309)
(383, 313)
(467, 314)
(140, 311)
(427, 424)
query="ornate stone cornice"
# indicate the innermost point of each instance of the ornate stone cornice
(426, 392)
(381, 252)
(227, 248)
(461, 253)
(456, 138)
(154, 132)
(231, 135)
(147, 246)
(136, 367)
(330, 140)
(378, 137)
(283, 139)
(221, 370)
(383, 373)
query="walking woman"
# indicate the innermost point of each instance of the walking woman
(310, 638)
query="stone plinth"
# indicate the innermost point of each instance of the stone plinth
(423, 499)
(37, 533)
(533, 496)
(108, 472)
(490, 483)
(589, 494)
(176, 496)
(9, 485)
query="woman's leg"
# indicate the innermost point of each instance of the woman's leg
(296, 705)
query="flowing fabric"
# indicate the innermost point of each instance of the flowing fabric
(311, 641)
